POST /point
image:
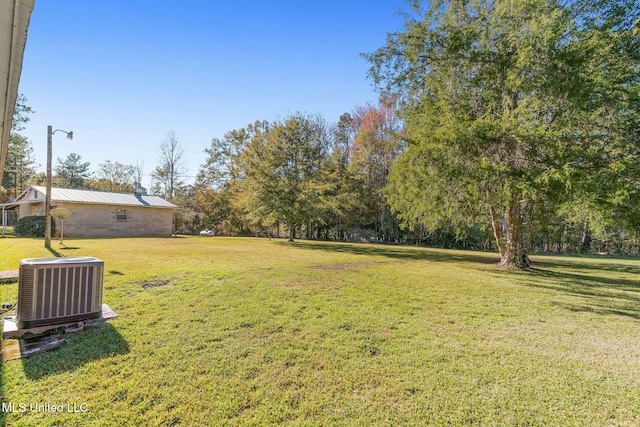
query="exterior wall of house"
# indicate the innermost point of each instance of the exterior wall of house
(35, 207)
(31, 209)
(115, 221)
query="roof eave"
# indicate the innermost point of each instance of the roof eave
(14, 22)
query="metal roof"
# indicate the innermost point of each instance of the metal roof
(95, 197)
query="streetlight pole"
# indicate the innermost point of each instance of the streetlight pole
(47, 199)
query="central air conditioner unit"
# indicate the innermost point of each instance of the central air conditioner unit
(59, 290)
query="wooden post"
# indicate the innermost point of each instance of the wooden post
(47, 199)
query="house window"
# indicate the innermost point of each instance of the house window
(121, 215)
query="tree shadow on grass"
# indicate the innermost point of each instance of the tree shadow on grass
(591, 287)
(587, 284)
(94, 343)
(609, 264)
(55, 253)
(399, 252)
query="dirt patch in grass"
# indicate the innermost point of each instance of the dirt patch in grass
(157, 282)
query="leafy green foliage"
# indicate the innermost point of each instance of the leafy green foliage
(285, 177)
(21, 114)
(316, 180)
(19, 170)
(510, 107)
(72, 171)
(32, 226)
(19, 167)
(218, 182)
(369, 141)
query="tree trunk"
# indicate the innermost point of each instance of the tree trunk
(585, 244)
(559, 239)
(292, 230)
(497, 231)
(515, 248)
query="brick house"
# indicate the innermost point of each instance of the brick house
(100, 213)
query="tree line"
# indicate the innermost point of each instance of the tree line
(304, 176)
(520, 132)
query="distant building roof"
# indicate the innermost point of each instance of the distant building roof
(35, 193)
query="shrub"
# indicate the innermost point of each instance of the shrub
(33, 226)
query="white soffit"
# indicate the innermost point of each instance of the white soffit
(14, 22)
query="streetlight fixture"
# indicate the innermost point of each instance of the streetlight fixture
(47, 200)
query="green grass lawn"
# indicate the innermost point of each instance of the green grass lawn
(230, 331)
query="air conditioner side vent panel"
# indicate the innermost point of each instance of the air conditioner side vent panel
(59, 290)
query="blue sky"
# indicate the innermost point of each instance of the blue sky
(123, 73)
